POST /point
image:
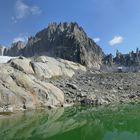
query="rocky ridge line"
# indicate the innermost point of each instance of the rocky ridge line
(65, 40)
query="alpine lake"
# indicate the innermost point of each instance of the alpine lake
(115, 122)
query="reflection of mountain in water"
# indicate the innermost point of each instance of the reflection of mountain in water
(122, 122)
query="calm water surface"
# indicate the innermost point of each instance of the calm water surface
(75, 123)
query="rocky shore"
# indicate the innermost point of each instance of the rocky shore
(42, 82)
(98, 87)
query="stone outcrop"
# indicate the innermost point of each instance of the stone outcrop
(24, 83)
(47, 67)
(130, 59)
(22, 64)
(108, 60)
(15, 50)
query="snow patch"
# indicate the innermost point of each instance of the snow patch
(5, 59)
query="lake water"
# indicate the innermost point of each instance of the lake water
(75, 123)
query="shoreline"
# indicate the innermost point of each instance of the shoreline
(48, 82)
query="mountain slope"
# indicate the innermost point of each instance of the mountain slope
(65, 40)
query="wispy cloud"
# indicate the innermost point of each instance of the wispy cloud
(35, 10)
(23, 10)
(20, 38)
(116, 40)
(97, 39)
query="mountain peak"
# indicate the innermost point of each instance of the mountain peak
(63, 40)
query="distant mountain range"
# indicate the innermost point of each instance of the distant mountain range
(130, 59)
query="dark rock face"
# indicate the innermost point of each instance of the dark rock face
(108, 60)
(130, 59)
(67, 41)
(16, 49)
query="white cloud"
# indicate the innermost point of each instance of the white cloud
(97, 39)
(35, 10)
(23, 10)
(116, 40)
(14, 20)
(20, 38)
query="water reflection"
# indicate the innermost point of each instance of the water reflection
(75, 123)
(121, 136)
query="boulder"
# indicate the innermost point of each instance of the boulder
(21, 85)
(54, 68)
(22, 64)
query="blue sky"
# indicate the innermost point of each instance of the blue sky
(114, 24)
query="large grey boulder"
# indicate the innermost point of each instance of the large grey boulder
(22, 64)
(47, 67)
(20, 91)
(22, 86)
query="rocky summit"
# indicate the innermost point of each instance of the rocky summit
(65, 40)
